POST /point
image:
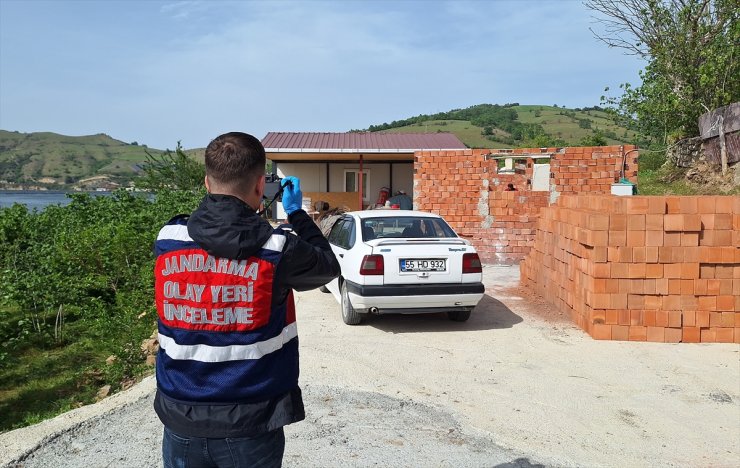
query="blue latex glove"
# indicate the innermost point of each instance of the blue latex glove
(292, 195)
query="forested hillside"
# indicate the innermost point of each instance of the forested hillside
(514, 125)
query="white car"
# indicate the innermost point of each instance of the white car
(403, 262)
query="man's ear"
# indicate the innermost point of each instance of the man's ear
(260, 188)
(208, 185)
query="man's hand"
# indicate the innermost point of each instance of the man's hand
(292, 195)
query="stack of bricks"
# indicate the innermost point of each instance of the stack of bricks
(592, 169)
(663, 269)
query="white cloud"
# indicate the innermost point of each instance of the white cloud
(184, 10)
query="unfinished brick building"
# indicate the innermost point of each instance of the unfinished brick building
(467, 187)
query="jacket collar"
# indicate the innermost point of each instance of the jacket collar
(225, 226)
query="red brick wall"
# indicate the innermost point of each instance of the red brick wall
(641, 268)
(592, 169)
(467, 189)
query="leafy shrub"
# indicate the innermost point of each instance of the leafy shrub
(651, 161)
(76, 286)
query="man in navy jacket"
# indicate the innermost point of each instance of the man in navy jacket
(227, 370)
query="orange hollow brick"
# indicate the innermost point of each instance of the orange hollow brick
(651, 254)
(672, 239)
(725, 335)
(708, 303)
(620, 332)
(708, 335)
(648, 318)
(691, 335)
(601, 332)
(673, 222)
(655, 334)
(617, 222)
(654, 270)
(715, 319)
(724, 204)
(654, 222)
(702, 318)
(637, 333)
(673, 335)
(727, 319)
(689, 270)
(661, 286)
(713, 287)
(672, 302)
(673, 205)
(637, 238)
(672, 270)
(674, 318)
(725, 303)
(636, 222)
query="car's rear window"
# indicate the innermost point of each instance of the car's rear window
(405, 227)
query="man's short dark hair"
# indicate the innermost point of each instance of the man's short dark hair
(235, 159)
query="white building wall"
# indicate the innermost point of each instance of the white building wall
(313, 176)
(403, 178)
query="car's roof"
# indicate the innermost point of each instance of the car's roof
(392, 213)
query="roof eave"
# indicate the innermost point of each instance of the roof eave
(355, 150)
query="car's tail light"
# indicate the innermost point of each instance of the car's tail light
(372, 265)
(471, 263)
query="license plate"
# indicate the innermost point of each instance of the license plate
(427, 264)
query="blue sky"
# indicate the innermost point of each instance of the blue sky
(162, 72)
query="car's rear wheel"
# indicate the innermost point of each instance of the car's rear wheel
(324, 289)
(349, 314)
(459, 315)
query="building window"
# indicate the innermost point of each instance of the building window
(351, 182)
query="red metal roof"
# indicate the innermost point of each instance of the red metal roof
(303, 141)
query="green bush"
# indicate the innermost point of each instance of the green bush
(76, 286)
(651, 161)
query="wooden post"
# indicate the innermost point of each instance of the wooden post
(722, 144)
(359, 182)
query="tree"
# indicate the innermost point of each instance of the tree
(172, 172)
(692, 49)
(595, 139)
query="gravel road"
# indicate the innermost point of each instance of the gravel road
(515, 386)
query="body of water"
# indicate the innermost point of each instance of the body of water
(38, 199)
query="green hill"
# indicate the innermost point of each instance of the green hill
(50, 160)
(514, 125)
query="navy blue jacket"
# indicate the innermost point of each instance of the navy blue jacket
(228, 359)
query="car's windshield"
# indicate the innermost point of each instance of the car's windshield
(405, 227)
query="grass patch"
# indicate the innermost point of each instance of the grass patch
(40, 378)
(653, 183)
(672, 181)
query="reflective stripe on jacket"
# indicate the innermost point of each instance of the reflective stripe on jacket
(222, 338)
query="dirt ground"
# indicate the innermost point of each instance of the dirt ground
(516, 386)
